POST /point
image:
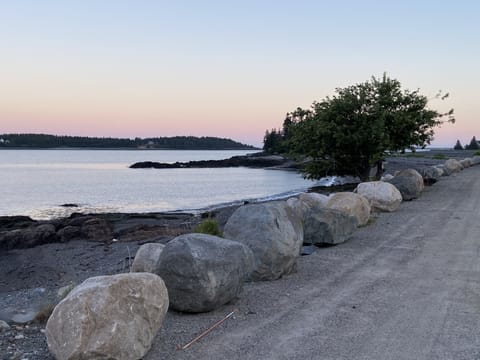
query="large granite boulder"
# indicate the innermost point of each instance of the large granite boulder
(466, 163)
(476, 160)
(430, 174)
(328, 226)
(203, 272)
(147, 257)
(381, 195)
(314, 200)
(108, 317)
(409, 182)
(305, 202)
(452, 166)
(273, 232)
(352, 204)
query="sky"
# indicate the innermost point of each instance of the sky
(145, 68)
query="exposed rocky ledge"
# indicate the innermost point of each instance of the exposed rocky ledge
(258, 160)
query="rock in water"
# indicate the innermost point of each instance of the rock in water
(147, 257)
(274, 234)
(381, 195)
(108, 317)
(203, 272)
(476, 160)
(409, 182)
(352, 204)
(328, 226)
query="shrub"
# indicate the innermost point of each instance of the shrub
(209, 227)
(439, 156)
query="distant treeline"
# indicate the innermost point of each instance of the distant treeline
(176, 142)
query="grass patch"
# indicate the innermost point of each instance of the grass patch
(414, 155)
(439, 157)
(209, 227)
(44, 313)
(370, 221)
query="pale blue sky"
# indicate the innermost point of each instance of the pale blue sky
(223, 68)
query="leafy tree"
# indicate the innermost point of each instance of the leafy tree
(458, 146)
(473, 144)
(348, 133)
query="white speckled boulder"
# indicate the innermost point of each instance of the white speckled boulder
(108, 317)
(381, 195)
(352, 204)
(466, 163)
(452, 166)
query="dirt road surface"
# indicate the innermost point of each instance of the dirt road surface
(405, 287)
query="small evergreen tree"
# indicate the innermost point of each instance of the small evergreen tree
(473, 144)
(458, 146)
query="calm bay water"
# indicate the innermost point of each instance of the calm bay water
(37, 182)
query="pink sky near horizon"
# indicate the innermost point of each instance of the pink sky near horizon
(142, 69)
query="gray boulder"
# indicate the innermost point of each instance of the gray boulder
(381, 195)
(273, 232)
(466, 163)
(351, 204)
(314, 200)
(409, 182)
(430, 174)
(475, 160)
(147, 258)
(452, 166)
(305, 202)
(328, 226)
(108, 317)
(203, 272)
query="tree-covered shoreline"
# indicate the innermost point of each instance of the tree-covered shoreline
(45, 141)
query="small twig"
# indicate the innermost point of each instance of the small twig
(186, 346)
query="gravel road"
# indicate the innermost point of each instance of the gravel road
(405, 287)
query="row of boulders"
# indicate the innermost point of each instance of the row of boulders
(117, 316)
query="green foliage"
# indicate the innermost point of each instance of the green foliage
(477, 153)
(473, 144)
(210, 227)
(177, 142)
(439, 156)
(458, 146)
(355, 129)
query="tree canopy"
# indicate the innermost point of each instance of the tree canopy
(177, 142)
(350, 132)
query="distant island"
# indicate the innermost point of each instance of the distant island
(45, 141)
